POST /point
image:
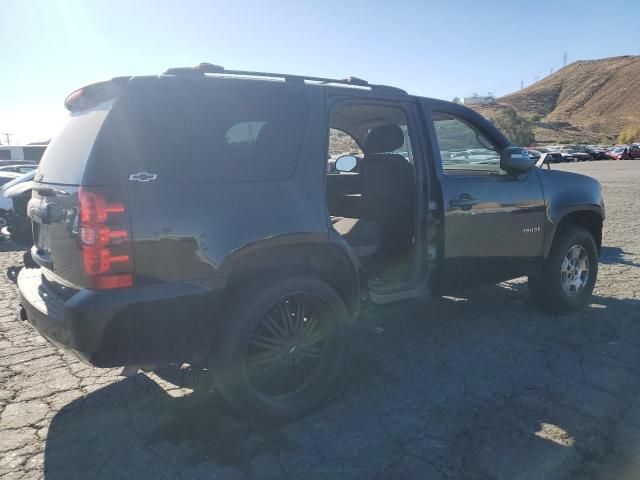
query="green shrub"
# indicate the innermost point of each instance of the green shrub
(630, 134)
(515, 128)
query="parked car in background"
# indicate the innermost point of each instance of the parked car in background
(14, 197)
(6, 177)
(18, 168)
(13, 163)
(556, 156)
(535, 154)
(621, 153)
(32, 153)
(582, 152)
(596, 153)
(573, 154)
(5, 208)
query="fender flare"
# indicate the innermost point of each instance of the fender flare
(555, 218)
(326, 254)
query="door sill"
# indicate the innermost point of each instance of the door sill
(389, 295)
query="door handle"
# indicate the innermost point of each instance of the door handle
(464, 202)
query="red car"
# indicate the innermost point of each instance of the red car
(624, 153)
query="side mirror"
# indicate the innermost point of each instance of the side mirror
(516, 160)
(346, 163)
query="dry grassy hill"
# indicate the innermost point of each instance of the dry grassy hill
(586, 101)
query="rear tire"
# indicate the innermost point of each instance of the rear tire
(281, 347)
(569, 274)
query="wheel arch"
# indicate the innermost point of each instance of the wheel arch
(306, 255)
(589, 217)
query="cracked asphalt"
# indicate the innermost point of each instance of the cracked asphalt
(478, 387)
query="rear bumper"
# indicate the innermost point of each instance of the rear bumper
(141, 325)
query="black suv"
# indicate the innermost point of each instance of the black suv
(207, 214)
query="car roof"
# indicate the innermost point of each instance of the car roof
(209, 69)
(335, 86)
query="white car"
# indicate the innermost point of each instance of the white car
(6, 177)
(6, 204)
(20, 169)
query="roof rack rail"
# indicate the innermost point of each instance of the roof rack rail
(210, 68)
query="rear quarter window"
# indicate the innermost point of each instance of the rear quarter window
(202, 130)
(65, 158)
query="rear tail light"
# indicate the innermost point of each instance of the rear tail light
(105, 237)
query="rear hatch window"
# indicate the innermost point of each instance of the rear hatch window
(66, 157)
(201, 130)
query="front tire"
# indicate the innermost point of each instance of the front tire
(569, 274)
(281, 347)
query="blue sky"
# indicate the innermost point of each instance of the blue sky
(433, 48)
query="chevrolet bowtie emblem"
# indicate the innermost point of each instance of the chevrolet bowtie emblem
(143, 177)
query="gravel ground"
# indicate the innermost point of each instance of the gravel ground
(480, 387)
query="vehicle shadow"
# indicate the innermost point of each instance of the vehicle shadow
(126, 429)
(9, 246)
(616, 255)
(481, 386)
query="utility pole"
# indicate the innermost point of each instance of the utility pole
(551, 71)
(521, 84)
(536, 78)
(564, 59)
(7, 136)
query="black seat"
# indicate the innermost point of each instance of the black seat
(362, 235)
(386, 218)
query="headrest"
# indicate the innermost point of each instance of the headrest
(384, 139)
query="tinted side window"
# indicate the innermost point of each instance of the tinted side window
(5, 154)
(463, 148)
(206, 130)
